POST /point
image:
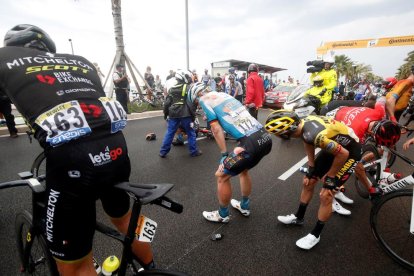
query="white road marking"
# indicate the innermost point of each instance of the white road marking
(295, 167)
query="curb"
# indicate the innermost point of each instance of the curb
(22, 128)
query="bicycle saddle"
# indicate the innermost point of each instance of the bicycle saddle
(146, 193)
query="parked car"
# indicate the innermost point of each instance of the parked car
(277, 97)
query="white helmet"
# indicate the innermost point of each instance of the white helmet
(329, 59)
(184, 76)
(194, 91)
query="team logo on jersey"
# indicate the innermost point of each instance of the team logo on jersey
(92, 109)
(105, 157)
(46, 79)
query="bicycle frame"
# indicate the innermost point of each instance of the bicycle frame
(397, 185)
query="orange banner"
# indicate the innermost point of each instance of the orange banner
(366, 43)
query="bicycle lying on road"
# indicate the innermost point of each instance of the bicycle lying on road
(34, 255)
(392, 214)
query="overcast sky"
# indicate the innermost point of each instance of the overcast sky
(274, 32)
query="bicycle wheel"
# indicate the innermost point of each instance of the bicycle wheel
(390, 224)
(39, 165)
(369, 153)
(39, 261)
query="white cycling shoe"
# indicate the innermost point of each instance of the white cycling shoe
(308, 242)
(342, 197)
(336, 207)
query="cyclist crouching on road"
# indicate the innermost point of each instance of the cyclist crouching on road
(225, 113)
(61, 97)
(339, 154)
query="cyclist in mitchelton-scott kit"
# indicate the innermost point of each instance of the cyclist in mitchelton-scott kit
(225, 113)
(61, 97)
(339, 154)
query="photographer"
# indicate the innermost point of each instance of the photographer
(323, 70)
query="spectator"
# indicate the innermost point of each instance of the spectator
(361, 89)
(266, 83)
(121, 82)
(341, 89)
(180, 112)
(158, 84)
(149, 78)
(226, 114)
(6, 110)
(234, 88)
(206, 78)
(218, 80)
(195, 76)
(242, 81)
(170, 75)
(399, 96)
(91, 131)
(254, 91)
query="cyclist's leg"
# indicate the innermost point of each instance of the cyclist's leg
(142, 250)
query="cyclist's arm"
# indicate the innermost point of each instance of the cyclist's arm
(218, 135)
(310, 152)
(407, 144)
(340, 153)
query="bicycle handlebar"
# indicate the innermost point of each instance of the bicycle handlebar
(27, 179)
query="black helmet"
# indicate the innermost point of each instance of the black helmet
(253, 68)
(25, 35)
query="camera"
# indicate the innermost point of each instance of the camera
(316, 66)
(316, 63)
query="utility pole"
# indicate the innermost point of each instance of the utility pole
(186, 30)
(71, 45)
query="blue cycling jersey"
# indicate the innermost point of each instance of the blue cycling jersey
(231, 114)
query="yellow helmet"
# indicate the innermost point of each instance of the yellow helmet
(282, 122)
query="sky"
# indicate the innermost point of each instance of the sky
(278, 33)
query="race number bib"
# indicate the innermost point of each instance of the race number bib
(116, 114)
(64, 123)
(146, 228)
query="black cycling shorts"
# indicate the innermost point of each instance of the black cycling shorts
(324, 160)
(256, 146)
(77, 174)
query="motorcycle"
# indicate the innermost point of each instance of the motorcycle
(301, 104)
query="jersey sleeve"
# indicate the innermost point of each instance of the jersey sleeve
(208, 110)
(329, 145)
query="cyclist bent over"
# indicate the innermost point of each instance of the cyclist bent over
(340, 151)
(224, 112)
(368, 122)
(80, 129)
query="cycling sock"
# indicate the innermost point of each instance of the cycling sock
(318, 228)
(301, 210)
(245, 202)
(224, 211)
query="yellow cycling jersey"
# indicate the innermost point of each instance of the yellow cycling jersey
(402, 92)
(327, 134)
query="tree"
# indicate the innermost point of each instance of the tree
(405, 70)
